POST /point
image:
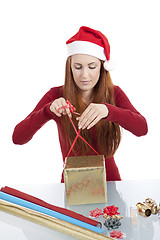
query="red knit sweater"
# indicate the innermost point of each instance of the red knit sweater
(123, 114)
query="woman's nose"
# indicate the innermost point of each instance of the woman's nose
(85, 73)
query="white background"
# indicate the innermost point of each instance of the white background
(32, 60)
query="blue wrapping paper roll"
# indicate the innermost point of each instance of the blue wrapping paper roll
(49, 212)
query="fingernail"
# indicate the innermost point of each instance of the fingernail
(79, 126)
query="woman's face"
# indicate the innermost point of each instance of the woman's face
(86, 71)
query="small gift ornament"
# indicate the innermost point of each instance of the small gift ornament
(144, 209)
(96, 213)
(154, 207)
(117, 235)
(111, 210)
(111, 214)
(148, 207)
(112, 223)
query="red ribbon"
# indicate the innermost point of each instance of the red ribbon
(72, 109)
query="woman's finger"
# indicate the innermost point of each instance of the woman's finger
(96, 120)
(89, 119)
(92, 114)
(59, 107)
(88, 115)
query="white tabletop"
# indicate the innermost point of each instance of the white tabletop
(122, 194)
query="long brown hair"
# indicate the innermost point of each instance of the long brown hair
(108, 133)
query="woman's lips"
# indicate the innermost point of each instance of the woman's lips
(85, 82)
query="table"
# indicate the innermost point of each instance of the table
(122, 194)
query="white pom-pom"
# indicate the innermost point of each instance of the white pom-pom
(109, 65)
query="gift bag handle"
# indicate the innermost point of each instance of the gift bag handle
(72, 109)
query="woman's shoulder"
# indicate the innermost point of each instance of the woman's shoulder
(117, 90)
(55, 91)
(119, 94)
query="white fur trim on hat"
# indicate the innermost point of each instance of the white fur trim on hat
(84, 47)
(109, 65)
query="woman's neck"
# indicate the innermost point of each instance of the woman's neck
(87, 97)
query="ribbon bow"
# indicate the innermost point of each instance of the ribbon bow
(69, 105)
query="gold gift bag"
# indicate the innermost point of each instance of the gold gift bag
(85, 180)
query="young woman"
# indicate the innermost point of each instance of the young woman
(103, 107)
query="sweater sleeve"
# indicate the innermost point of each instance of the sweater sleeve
(126, 115)
(25, 130)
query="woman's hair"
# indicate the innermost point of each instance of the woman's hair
(108, 134)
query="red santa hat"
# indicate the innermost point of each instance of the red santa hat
(91, 42)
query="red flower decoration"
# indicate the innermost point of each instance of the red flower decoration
(111, 210)
(96, 213)
(117, 234)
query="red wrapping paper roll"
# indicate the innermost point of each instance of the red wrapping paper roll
(42, 203)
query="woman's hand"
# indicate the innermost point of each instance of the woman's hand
(92, 114)
(58, 103)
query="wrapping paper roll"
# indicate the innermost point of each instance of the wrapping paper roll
(42, 203)
(47, 211)
(50, 222)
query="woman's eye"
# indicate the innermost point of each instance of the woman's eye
(92, 67)
(78, 67)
